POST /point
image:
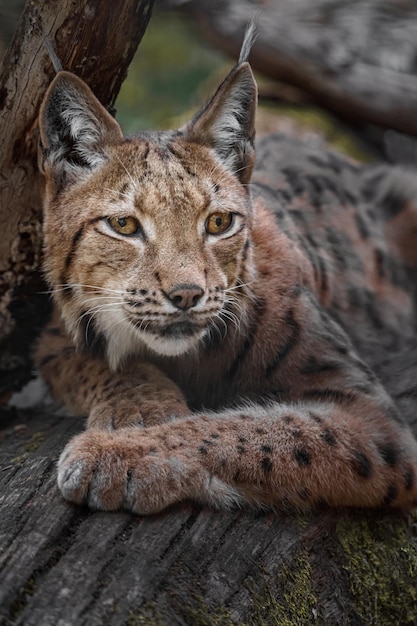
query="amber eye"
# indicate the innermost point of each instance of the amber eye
(125, 225)
(218, 223)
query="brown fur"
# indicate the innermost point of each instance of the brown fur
(222, 367)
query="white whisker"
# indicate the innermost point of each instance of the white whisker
(66, 286)
(117, 193)
(134, 183)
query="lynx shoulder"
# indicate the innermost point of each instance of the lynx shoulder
(211, 314)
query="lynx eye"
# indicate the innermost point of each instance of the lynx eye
(125, 225)
(218, 223)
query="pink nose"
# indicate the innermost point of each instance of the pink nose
(185, 296)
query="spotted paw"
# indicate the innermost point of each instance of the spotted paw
(127, 469)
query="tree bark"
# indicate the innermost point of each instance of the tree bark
(95, 40)
(354, 58)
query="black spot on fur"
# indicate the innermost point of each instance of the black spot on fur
(266, 464)
(380, 263)
(373, 182)
(318, 160)
(393, 203)
(361, 464)
(391, 495)
(241, 449)
(202, 450)
(362, 225)
(409, 479)
(329, 437)
(295, 180)
(259, 307)
(389, 453)
(302, 456)
(316, 418)
(266, 449)
(289, 343)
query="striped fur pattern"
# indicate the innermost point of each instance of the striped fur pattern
(213, 318)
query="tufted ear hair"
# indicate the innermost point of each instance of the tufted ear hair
(227, 123)
(74, 128)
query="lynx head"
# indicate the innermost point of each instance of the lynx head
(147, 239)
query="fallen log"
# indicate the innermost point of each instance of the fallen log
(356, 59)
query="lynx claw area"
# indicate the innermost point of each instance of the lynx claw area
(99, 469)
(124, 469)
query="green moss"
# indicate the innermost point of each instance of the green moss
(381, 566)
(28, 447)
(195, 612)
(296, 604)
(147, 615)
(198, 613)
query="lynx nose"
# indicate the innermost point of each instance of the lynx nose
(185, 296)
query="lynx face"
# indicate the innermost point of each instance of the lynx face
(154, 241)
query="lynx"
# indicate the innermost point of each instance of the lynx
(208, 311)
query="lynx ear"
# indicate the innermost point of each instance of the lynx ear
(74, 127)
(227, 123)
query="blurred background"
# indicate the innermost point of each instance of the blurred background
(171, 71)
(365, 49)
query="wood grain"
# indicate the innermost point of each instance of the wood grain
(60, 564)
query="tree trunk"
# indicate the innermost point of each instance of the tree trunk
(95, 40)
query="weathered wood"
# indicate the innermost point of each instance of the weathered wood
(60, 564)
(96, 41)
(354, 58)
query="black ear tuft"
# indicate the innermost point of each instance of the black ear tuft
(74, 128)
(227, 123)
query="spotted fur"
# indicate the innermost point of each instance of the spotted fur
(225, 367)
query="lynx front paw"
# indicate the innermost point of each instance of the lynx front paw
(120, 413)
(127, 469)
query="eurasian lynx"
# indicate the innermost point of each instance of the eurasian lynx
(206, 311)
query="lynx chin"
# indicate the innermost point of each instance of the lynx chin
(208, 311)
